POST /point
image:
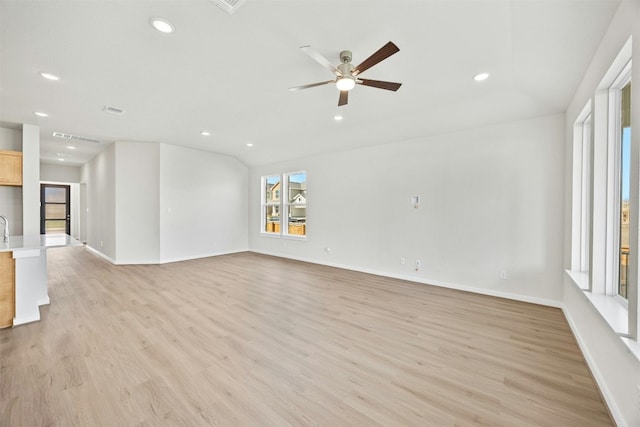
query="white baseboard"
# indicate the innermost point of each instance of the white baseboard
(207, 255)
(44, 301)
(426, 281)
(22, 320)
(100, 254)
(162, 261)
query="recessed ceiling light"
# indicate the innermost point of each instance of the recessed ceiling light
(60, 160)
(49, 76)
(205, 133)
(337, 117)
(162, 25)
(40, 114)
(71, 147)
(249, 144)
(481, 77)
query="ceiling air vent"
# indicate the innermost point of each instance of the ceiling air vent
(75, 137)
(229, 6)
(113, 110)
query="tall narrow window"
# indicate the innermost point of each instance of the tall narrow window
(585, 183)
(581, 197)
(296, 204)
(271, 186)
(625, 181)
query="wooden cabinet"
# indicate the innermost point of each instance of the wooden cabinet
(10, 168)
(7, 289)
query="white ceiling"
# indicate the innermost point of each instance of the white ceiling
(229, 74)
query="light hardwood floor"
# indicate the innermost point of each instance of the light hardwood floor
(253, 340)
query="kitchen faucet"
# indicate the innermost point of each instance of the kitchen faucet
(5, 237)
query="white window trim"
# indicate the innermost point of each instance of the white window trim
(283, 204)
(581, 206)
(615, 149)
(264, 204)
(620, 314)
(285, 207)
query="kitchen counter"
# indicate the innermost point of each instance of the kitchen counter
(42, 241)
(30, 256)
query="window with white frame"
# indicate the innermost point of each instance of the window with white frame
(296, 204)
(284, 204)
(604, 194)
(582, 149)
(621, 95)
(271, 186)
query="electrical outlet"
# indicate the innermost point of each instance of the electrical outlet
(101, 243)
(402, 261)
(418, 264)
(502, 274)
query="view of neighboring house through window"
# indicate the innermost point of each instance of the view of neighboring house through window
(271, 204)
(297, 203)
(293, 222)
(625, 181)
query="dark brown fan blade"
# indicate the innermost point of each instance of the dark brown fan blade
(380, 85)
(383, 53)
(311, 85)
(344, 97)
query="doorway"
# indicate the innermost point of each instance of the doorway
(55, 209)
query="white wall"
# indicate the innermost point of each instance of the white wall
(10, 139)
(59, 173)
(491, 201)
(11, 208)
(30, 180)
(99, 177)
(155, 203)
(203, 204)
(11, 197)
(137, 203)
(615, 368)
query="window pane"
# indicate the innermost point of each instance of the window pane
(55, 211)
(625, 181)
(272, 219)
(298, 188)
(55, 227)
(586, 191)
(55, 195)
(272, 189)
(297, 217)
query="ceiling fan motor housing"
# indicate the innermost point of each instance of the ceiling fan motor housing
(345, 56)
(345, 69)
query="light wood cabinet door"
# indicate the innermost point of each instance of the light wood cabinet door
(7, 289)
(10, 168)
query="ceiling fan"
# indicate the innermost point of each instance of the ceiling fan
(347, 76)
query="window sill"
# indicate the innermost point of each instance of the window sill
(616, 315)
(580, 278)
(283, 236)
(612, 311)
(265, 234)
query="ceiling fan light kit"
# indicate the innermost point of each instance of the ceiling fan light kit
(346, 74)
(345, 83)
